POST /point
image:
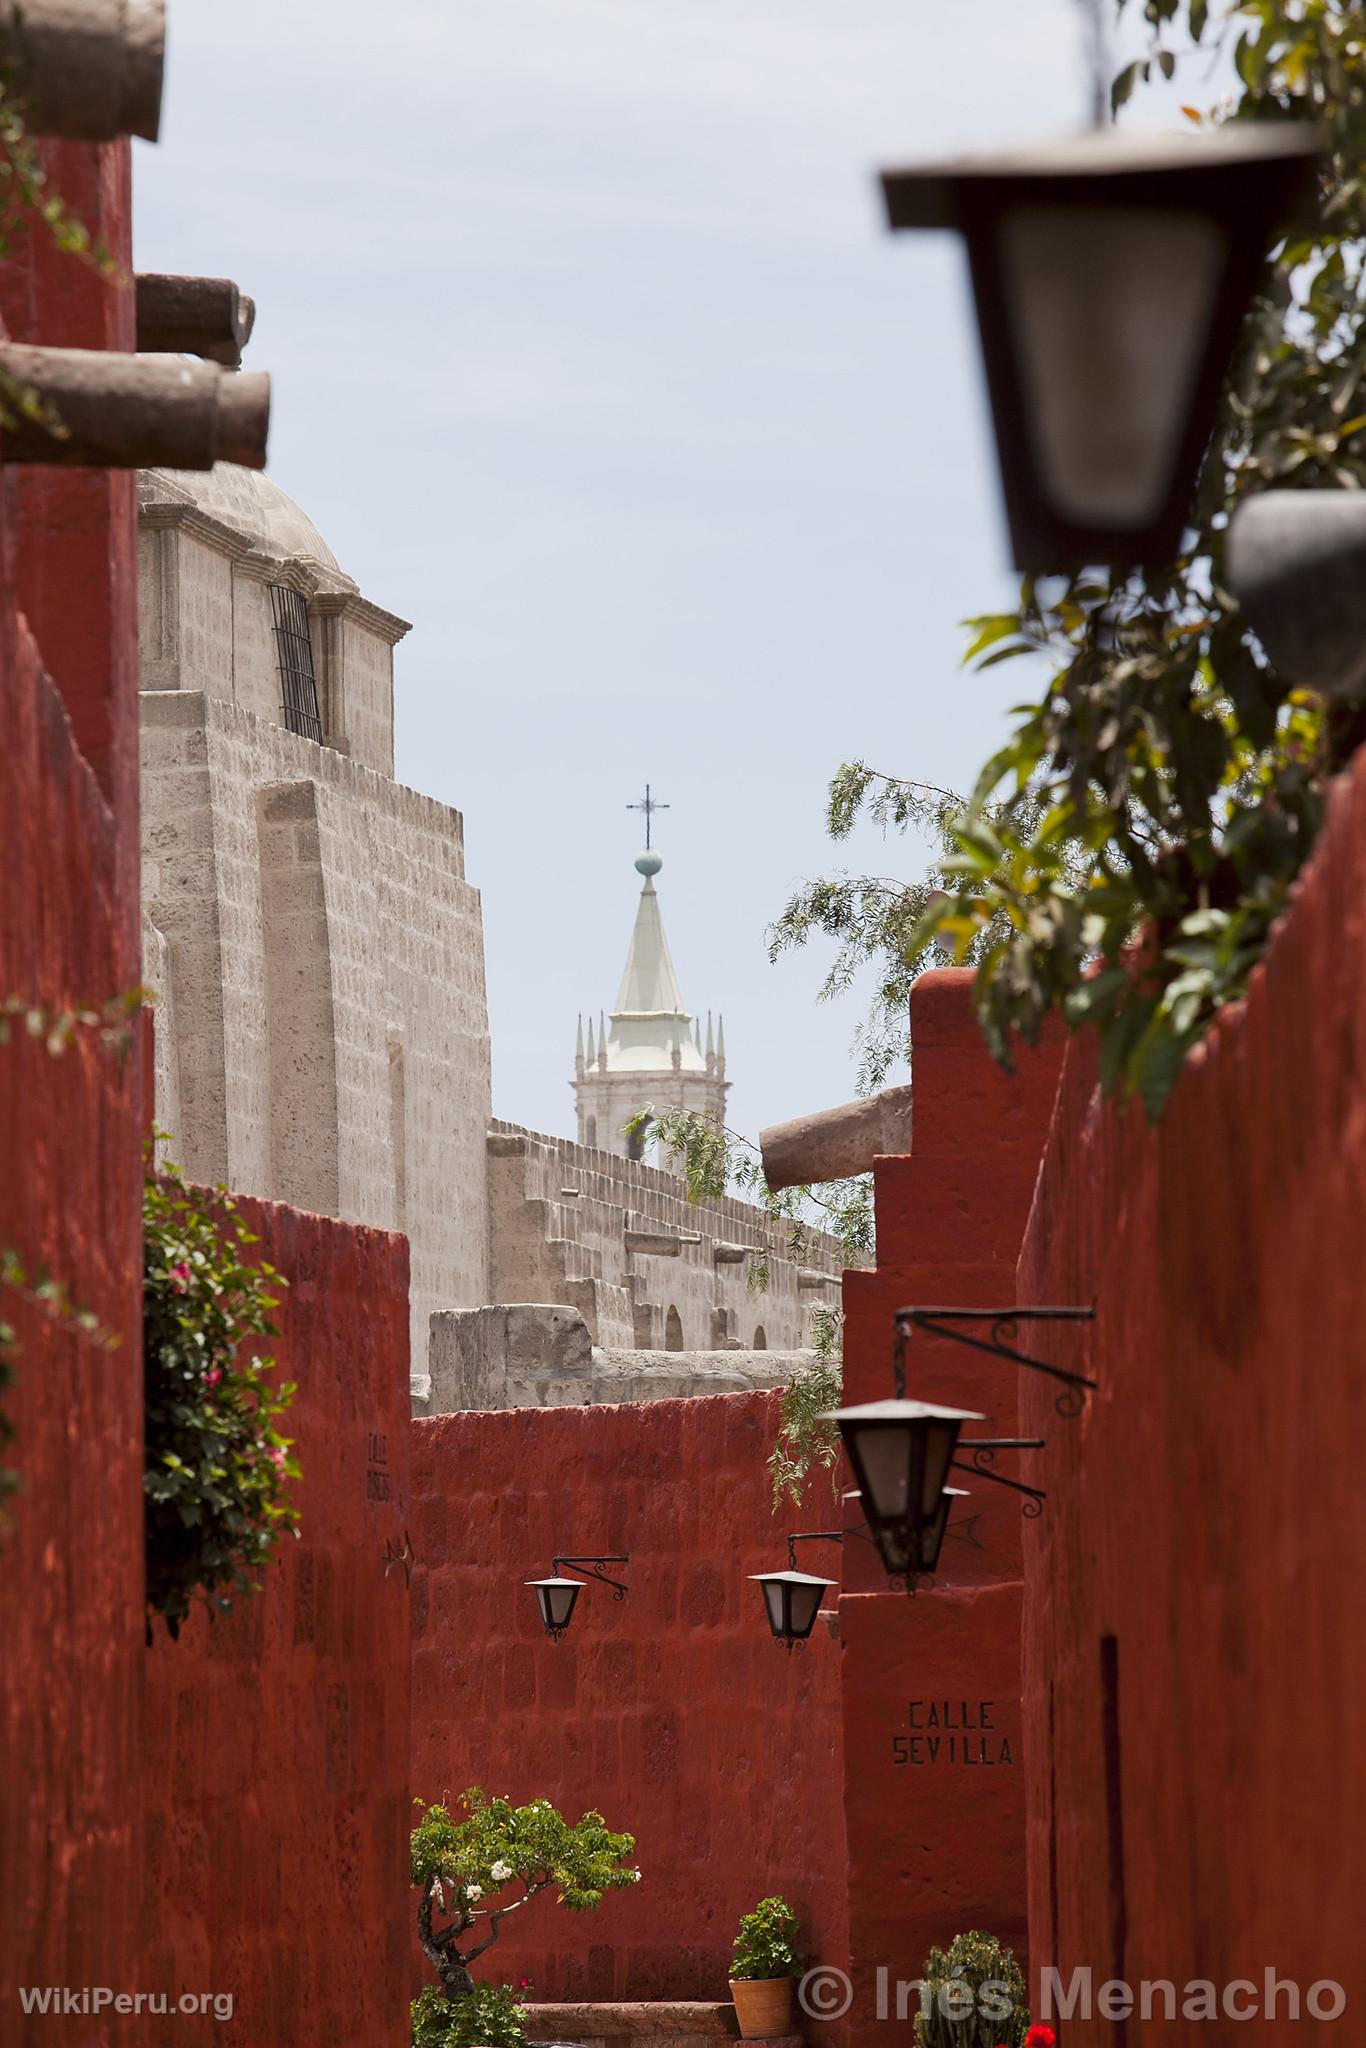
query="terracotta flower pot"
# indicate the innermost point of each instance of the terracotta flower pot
(763, 2006)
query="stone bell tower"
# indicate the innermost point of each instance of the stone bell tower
(649, 1050)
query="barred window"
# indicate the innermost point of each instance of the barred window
(298, 682)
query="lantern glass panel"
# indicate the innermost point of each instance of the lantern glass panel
(1111, 313)
(773, 1600)
(804, 1606)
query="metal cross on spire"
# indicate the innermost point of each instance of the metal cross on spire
(649, 806)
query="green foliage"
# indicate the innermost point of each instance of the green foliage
(1125, 854)
(876, 918)
(806, 1442)
(491, 1859)
(973, 1961)
(766, 1946)
(714, 1161)
(216, 1464)
(490, 2016)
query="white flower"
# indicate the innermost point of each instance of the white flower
(636, 1876)
(500, 1872)
(474, 1891)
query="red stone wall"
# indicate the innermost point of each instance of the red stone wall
(1196, 1668)
(277, 1736)
(931, 1686)
(674, 1712)
(70, 1175)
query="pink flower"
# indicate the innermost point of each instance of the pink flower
(277, 1459)
(213, 1376)
(179, 1277)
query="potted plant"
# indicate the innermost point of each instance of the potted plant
(765, 1961)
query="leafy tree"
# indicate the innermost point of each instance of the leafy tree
(495, 1860)
(1125, 854)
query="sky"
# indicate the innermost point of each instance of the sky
(593, 359)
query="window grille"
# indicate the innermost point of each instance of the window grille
(298, 681)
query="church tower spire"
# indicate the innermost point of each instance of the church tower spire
(652, 1054)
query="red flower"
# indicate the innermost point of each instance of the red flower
(179, 1277)
(1040, 2036)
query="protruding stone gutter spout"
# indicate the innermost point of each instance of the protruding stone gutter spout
(135, 412)
(193, 316)
(837, 1143)
(86, 69)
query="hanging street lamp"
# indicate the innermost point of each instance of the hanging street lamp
(792, 1600)
(1111, 278)
(557, 1596)
(901, 1452)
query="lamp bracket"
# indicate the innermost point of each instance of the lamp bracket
(1004, 1329)
(1035, 1495)
(593, 1569)
(812, 1536)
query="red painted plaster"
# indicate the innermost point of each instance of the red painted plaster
(937, 1845)
(277, 1736)
(1207, 1513)
(673, 1712)
(70, 1192)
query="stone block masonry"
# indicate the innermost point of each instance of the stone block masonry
(321, 956)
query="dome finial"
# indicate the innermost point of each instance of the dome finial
(648, 863)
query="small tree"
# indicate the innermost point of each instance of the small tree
(476, 1870)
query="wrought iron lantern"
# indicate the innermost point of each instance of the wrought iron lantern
(901, 1452)
(1111, 277)
(792, 1600)
(557, 1596)
(910, 1560)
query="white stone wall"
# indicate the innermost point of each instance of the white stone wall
(323, 957)
(619, 1241)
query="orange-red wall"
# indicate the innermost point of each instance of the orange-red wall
(70, 1174)
(674, 1712)
(934, 1767)
(1197, 1789)
(277, 1805)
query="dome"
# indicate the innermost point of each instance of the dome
(250, 503)
(648, 863)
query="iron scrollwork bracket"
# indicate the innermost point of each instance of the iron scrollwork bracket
(594, 1570)
(1000, 1343)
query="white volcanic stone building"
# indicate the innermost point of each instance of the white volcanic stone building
(653, 1056)
(322, 1037)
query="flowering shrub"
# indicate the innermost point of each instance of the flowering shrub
(215, 1463)
(490, 2016)
(462, 1867)
(766, 1946)
(976, 1965)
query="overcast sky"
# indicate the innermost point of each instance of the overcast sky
(593, 359)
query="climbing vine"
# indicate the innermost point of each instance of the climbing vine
(1169, 785)
(216, 1464)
